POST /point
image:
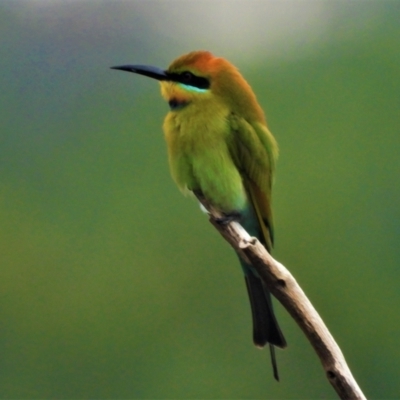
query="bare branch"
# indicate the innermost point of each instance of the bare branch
(284, 287)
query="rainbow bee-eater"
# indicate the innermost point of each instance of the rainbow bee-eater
(219, 146)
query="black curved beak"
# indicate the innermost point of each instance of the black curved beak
(146, 70)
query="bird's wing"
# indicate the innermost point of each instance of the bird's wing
(254, 151)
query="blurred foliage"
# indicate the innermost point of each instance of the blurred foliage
(113, 285)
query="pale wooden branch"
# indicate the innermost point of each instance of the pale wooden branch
(284, 287)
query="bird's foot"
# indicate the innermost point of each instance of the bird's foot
(226, 218)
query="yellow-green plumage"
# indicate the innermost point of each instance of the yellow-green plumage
(200, 157)
(218, 144)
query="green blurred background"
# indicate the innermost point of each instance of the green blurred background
(112, 284)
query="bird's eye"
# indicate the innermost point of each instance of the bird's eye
(187, 77)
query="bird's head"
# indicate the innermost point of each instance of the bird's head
(199, 77)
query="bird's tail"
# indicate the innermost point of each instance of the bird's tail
(265, 326)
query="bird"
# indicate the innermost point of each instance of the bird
(219, 147)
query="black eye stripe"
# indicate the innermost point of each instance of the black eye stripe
(187, 78)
